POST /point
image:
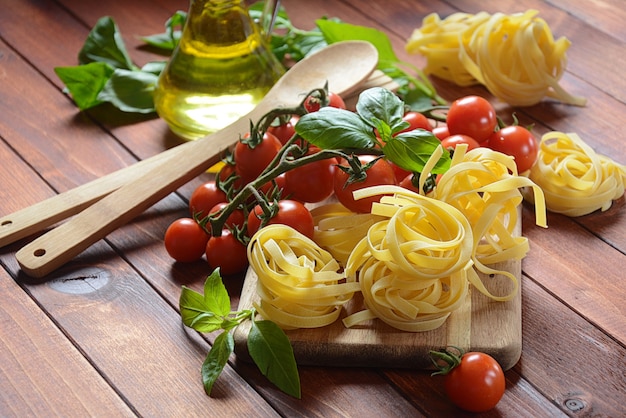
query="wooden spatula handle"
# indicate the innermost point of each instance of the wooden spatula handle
(60, 245)
(37, 217)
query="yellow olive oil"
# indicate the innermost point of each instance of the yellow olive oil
(219, 71)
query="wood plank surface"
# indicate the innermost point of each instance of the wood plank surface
(107, 346)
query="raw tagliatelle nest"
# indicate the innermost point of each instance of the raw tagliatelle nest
(514, 56)
(575, 180)
(412, 258)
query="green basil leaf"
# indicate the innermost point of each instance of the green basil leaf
(173, 31)
(337, 31)
(130, 91)
(218, 356)
(271, 351)
(216, 297)
(378, 103)
(154, 67)
(206, 322)
(332, 128)
(411, 150)
(105, 44)
(84, 82)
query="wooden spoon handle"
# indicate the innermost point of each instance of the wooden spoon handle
(58, 246)
(37, 217)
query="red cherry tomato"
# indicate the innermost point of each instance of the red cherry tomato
(227, 253)
(312, 104)
(472, 116)
(453, 140)
(476, 384)
(290, 212)
(517, 142)
(312, 182)
(235, 219)
(225, 174)
(407, 183)
(250, 162)
(380, 173)
(204, 197)
(416, 120)
(441, 132)
(185, 240)
(285, 130)
(399, 172)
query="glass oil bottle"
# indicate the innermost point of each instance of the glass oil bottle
(221, 68)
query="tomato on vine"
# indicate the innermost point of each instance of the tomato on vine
(379, 173)
(250, 162)
(185, 240)
(518, 142)
(416, 120)
(313, 104)
(204, 198)
(311, 182)
(235, 219)
(227, 253)
(288, 212)
(284, 130)
(441, 132)
(472, 116)
(474, 381)
(453, 140)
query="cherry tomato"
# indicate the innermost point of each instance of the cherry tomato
(453, 140)
(476, 384)
(416, 120)
(185, 240)
(227, 253)
(441, 132)
(279, 182)
(250, 162)
(235, 219)
(407, 183)
(290, 212)
(285, 130)
(225, 174)
(399, 172)
(312, 104)
(204, 197)
(312, 182)
(380, 173)
(517, 142)
(473, 116)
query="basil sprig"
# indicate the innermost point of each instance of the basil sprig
(268, 345)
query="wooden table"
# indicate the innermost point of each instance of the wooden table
(103, 335)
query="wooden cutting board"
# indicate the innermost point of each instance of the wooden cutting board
(481, 324)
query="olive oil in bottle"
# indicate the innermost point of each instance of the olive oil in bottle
(219, 71)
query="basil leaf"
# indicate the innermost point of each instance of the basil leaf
(334, 31)
(378, 103)
(411, 150)
(333, 128)
(271, 351)
(173, 31)
(105, 44)
(218, 356)
(216, 297)
(194, 314)
(130, 91)
(84, 82)
(154, 67)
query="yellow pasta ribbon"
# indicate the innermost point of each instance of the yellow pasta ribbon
(483, 185)
(514, 56)
(299, 284)
(412, 266)
(575, 180)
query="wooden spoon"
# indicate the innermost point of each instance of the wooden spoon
(343, 65)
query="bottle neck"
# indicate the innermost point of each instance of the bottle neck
(219, 23)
